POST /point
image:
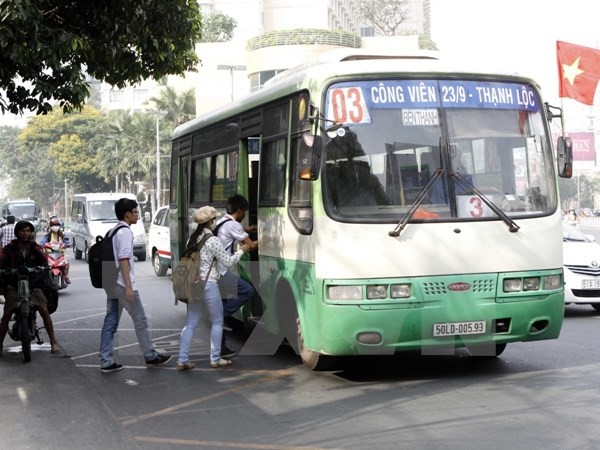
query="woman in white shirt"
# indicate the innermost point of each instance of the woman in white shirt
(211, 254)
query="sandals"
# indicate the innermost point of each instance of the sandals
(185, 365)
(221, 363)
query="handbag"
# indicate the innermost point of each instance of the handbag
(199, 285)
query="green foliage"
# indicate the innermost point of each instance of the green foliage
(180, 107)
(46, 45)
(304, 36)
(217, 27)
(426, 43)
(90, 149)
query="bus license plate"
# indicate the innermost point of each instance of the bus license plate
(458, 328)
(590, 284)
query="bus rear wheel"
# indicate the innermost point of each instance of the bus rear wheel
(311, 359)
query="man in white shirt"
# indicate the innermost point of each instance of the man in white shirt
(234, 291)
(125, 295)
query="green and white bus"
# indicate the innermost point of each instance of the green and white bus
(402, 204)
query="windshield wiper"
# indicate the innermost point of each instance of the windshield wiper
(462, 182)
(416, 203)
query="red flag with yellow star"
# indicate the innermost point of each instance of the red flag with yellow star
(578, 71)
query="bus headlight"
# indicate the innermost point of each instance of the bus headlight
(552, 282)
(531, 284)
(513, 284)
(400, 291)
(344, 292)
(377, 291)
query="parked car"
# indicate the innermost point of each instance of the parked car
(581, 259)
(159, 241)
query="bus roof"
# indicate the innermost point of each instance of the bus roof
(104, 195)
(340, 64)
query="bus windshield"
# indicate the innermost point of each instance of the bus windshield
(21, 210)
(397, 133)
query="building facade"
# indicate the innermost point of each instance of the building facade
(270, 37)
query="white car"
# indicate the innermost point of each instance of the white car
(159, 241)
(581, 259)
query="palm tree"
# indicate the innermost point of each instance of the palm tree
(180, 107)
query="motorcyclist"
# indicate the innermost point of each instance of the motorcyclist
(23, 251)
(56, 234)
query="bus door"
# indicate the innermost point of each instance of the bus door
(250, 190)
(179, 239)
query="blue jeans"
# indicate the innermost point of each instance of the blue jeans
(194, 311)
(234, 291)
(114, 308)
(214, 306)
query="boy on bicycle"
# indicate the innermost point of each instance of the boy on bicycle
(24, 251)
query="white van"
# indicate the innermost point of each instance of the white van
(93, 215)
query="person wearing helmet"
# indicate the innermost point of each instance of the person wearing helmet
(56, 234)
(24, 251)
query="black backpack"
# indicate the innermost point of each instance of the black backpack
(101, 260)
(215, 232)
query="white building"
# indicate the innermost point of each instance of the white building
(271, 36)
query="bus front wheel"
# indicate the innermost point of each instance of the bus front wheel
(311, 359)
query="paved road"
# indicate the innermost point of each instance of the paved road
(541, 395)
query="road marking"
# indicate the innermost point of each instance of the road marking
(198, 443)
(125, 346)
(274, 376)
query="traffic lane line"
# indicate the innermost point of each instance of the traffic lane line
(199, 443)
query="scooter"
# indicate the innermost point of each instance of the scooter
(24, 328)
(56, 255)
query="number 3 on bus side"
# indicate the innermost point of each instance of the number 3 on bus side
(348, 106)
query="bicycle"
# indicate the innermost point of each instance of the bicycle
(24, 329)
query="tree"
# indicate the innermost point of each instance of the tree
(217, 27)
(385, 16)
(51, 148)
(180, 107)
(48, 47)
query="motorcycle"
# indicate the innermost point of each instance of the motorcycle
(24, 328)
(56, 255)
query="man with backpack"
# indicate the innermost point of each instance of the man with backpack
(123, 294)
(235, 292)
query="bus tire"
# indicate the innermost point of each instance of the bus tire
(489, 350)
(311, 359)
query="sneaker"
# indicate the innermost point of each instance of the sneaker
(55, 349)
(227, 352)
(185, 365)
(67, 280)
(112, 368)
(159, 360)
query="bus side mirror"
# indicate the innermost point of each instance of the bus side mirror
(564, 157)
(309, 161)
